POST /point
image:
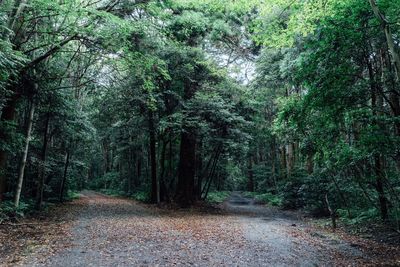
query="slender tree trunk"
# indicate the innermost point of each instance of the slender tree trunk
(394, 99)
(210, 177)
(379, 186)
(164, 194)
(170, 156)
(332, 212)
(283, 169)
(139, 168)
(153, 161)
(389, 37)
(310, 163)
(17, 12)
(250, 179)
(273, 163)
(290, 158)
(22, 165)
(199, 172)
(41, 176)
(376, 104)
(64, 179)
(7, 120)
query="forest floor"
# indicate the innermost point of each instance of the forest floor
(99, 230)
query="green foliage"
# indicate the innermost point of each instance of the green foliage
(7, 210)
(217, 196)
(142, 196)
(318, 119)
(268, 198)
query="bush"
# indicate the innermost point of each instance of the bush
(217, 196)
(141, 196)
(268, 198)
(7, 209)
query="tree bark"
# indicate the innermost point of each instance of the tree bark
(41, 175)
(376, 104)
(290, 158)
(186, 169)
(185, 195)
(379, 187)
(310, 163)
(250, 179)
(283, 169)
(64, 179)
(199, 172)
(7, 119)
(155, 197)
(22, 165)
(164, 194)
(388, 34)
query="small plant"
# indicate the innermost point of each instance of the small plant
(141, 196)
(268, 198)
(8, 211)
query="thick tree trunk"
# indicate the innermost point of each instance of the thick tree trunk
(185, 195)
(155, 197)
(24, 157)
(186, 169)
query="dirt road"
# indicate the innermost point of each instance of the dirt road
(107, 231)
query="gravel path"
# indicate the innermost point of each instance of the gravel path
(108, 231)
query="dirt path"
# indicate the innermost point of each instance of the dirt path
(107, 231)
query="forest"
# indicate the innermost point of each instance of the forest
(295, 104)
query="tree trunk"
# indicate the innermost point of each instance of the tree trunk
(153, 161)
(164, 194)
(379, 187)
(283, 169)
(186, 169)
(22, 165)
(185, 195)
(7, 120)
(210, 177)
(199, 172)
(273, 163)
(332, 212)
(250, 180)
(64, 179)
(290, 159)
(376, 104)
(41, 175)
(389, 38)
(310, 163)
